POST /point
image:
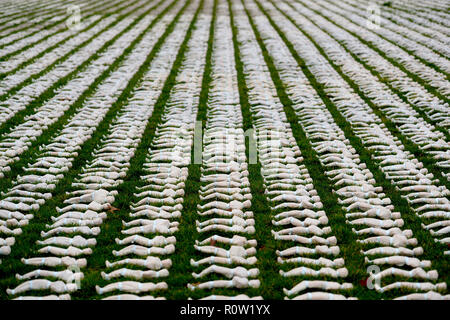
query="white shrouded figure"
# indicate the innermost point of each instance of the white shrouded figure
(156, 200)
(330, 241)
(41, 284)
(132, 297)
(443, 231)
(304, 204)
(365, 205)
(166, 193)
(155, 209)
(156, 226)
(144, 251)
(299, 214)
(235, 240)
(14, 223)
(6, 214)
(131, 287)
(226, 197)
(75, 222)
(397, 240)
(222, 260)
(297, 223)
(238, 297)
(233, 229)
(417, 286)
(100, 196)
(372, 222)
(70, 251)
(53, 262)
(317, 284)
(394, 251)
(430, 295)
(145, 222)
(7, 242)
(235, 251)
(228, 272)
(383, 232)
(304, 271)
(157, 241)
(400, 261)
(334, 250)
(225, 206)
(223, 184)
(235, 282)
(8, 231)
(135, 274)
(379, 212)
(160, 214)
(77, 241)
(50, 297)
(5, 250)
(303, 230)
(152, 263)
(414, 273)
(66, 275)
(87, 215)
(95, 231)
(235, 221)
(94, 206)
(17, 206)
(221, 190)
(320, 296)
(339, 262)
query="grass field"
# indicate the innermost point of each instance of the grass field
(179, 149)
